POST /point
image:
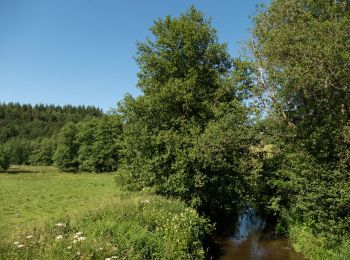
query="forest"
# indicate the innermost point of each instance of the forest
(269, 129)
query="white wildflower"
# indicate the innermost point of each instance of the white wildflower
(144, 201)
(69, 247)
(28, 237)
(20, 246)
(75, 241)
(81, 238)
(108, 258)
(59, 237)
(60, 224)
(79, 233)
(16, 243)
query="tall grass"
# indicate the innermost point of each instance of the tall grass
(135, 227)
(111, 223)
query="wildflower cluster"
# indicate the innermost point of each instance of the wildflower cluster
(78, 237)
(135, 229)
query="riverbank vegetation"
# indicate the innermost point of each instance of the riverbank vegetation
(300, 50)
(270, 129)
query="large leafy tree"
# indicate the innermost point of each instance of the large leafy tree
(302, 54)
(183, 135)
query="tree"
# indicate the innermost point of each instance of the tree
(86, 136)
(301, 51)
(42, 151)
(99, 144)
(107, 145)
(4, 159)
(65, 156)
(18, 150)
(189, 91)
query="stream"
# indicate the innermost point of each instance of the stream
(250, 238)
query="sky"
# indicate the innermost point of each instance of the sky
(81, 52)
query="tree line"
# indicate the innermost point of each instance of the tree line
(28, 133)
(270, 129)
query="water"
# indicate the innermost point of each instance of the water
(251, 239)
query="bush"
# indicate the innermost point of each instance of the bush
(315, 247)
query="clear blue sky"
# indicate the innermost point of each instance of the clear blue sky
(82, 51)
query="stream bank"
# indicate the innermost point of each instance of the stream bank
(250, 237)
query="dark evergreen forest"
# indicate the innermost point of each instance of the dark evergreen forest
(28, 133)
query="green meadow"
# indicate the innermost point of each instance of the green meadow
(47, 214)
(34, 194)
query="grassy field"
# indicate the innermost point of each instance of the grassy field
(45, 214)
(33, 194)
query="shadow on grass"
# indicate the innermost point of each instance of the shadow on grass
(16, 171)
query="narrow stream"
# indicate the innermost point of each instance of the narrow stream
(250, 239)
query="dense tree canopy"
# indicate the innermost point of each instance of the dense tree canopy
(91, 145)
(31, 122)
(28, 132)
(42, 150)
(185, 135)
(302, 54)
(99, 144)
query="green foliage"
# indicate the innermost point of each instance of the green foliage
(18, 150)
(302, 57)
(91, 145)
(302, 47)
(4, 159)
(65, 156)
(184, 136)
(99, 144)
(315, 247)
(300, 190)
(42, 150)
(26, 130)
(31, 122)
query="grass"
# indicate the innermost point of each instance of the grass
(84, 216)
(34, 194)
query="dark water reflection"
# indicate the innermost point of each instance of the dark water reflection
(250, 239)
